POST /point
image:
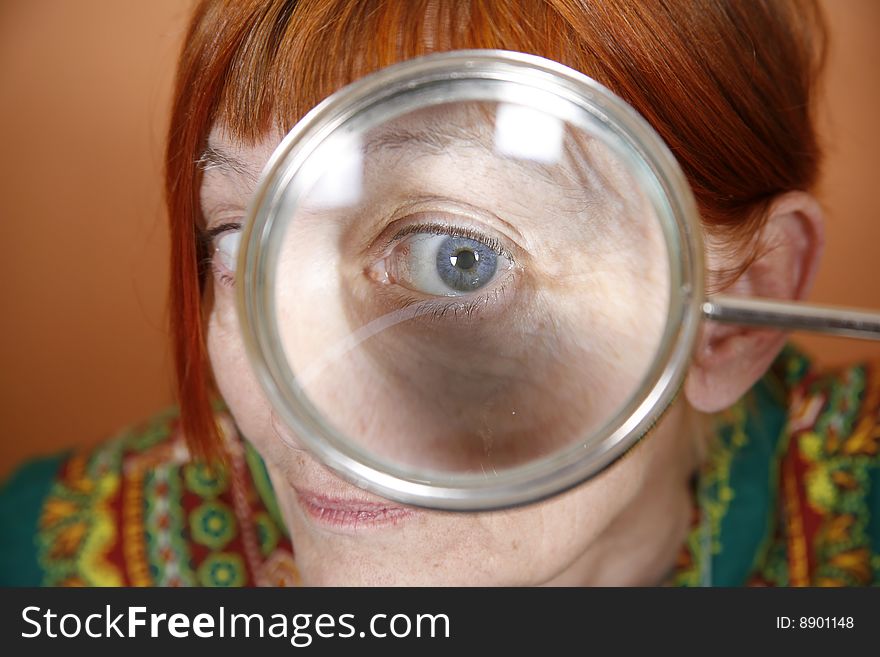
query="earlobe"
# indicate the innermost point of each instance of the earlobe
(729, 359)
(727, 363)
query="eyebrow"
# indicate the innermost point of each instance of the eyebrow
(430, 137)
(217, 159)
(437, 138)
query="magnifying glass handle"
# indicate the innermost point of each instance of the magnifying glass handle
(790, 315)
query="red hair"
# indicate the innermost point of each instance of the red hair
(728, 85)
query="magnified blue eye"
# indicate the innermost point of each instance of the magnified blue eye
(465, 264)
(445, 265)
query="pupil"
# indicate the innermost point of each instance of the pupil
(464, 259)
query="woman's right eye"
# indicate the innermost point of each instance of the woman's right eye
(226, 249)
(445, 264)
(223, 241)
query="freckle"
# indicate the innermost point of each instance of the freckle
(514, 546)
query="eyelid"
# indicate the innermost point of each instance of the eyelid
(449, 222)
(452, 231)
(213, 233)
(465, 212)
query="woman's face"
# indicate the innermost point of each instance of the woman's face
(458, 361)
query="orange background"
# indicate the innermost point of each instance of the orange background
(85, 87)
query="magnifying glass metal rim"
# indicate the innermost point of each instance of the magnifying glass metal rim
(523, 484)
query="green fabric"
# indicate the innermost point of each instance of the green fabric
(790, 492)
(751, 487)
(21, 501)
(873, 503)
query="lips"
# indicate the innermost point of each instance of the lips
(350, 513)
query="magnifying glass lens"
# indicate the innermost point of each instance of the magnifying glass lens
(465, 286)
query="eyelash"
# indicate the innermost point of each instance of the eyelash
(436, 309)
(452, 231)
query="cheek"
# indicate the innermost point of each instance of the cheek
(581, 515)
(233, 374)
(538, 543)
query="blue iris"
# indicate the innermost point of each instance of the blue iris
(465, 264)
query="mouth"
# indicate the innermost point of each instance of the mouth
(350, 514)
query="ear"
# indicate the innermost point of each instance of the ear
(730, 359)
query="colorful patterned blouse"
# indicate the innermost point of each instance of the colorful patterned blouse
(790, 496)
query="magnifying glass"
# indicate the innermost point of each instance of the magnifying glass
(475, 279)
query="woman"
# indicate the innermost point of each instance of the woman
(788, 462)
